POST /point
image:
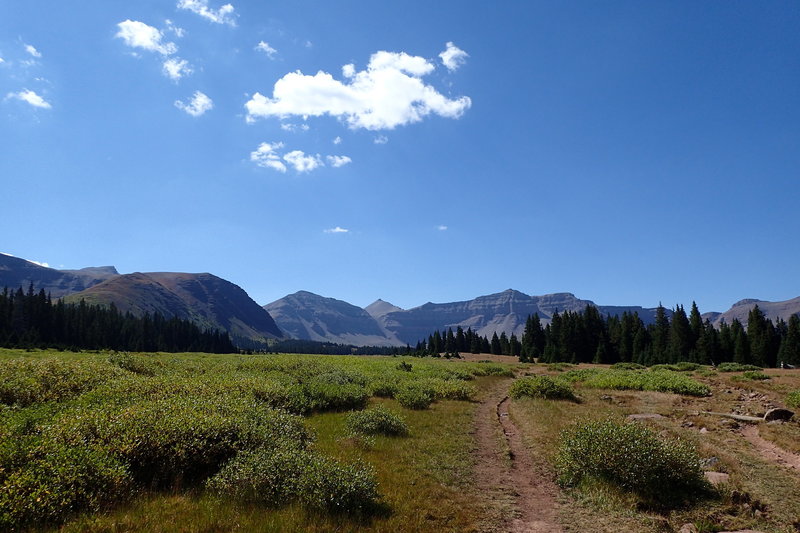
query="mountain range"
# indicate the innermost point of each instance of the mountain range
(213, 302)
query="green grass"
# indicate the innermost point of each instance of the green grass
(793, 399)
(654, 380)
(127, 433)
(542, 387)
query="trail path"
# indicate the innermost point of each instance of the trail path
(522, 492)
(769, 450)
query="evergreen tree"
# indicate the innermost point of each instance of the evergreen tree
(789, 352)
(680, 336)
(496, 348)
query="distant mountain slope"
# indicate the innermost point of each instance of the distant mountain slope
(308, 316)
(207, 300)
(16, 272)
(304, 315)
(772, 310)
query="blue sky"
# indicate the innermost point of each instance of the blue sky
(629, 152)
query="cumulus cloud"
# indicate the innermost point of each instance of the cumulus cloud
(266, 156)
(337, 161)
(137, 34)
(223, 15)
(31, 98)
(303, 162)
(453, 57)
(441, 228)
(337, 229)
(40, 263)
(390, 92)
(2, 60)
(32, 51)
(337, 140)
(381, 139)
(179, 32)
(198, 105)
(175, 68)
(267, 49)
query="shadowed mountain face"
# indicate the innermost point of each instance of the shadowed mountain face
(308, 316)
(772, 310)
(16, 272)
(206, 300)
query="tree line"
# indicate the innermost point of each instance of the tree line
(31, 320)
(588, 336)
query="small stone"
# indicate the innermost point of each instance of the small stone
(709, 462)
(688, 528)
(645, 416)
(703, 430)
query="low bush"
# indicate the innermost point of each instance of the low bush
(414, 396)
(754, 375)
(137, 364)
(658, 380)
(627, 366)
(335, 397)
(57, 481)
(662, 472)
(181, 439)
(376, 421)
(736, 367)
(677, 367)
(449, 389)
(275, 477)
(559, 367)
(27, 381)
(542, 387)
(793, 399)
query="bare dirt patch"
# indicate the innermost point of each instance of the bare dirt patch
(769, 450)
(522, 497)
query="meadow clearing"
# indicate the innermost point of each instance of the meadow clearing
(198, 442)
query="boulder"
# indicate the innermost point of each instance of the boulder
(717, 478)
(778, 414)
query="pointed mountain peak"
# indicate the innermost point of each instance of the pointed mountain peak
(379, 308)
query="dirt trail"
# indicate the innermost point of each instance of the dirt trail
(522, 492)
(769, 450)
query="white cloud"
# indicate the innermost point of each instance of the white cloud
(389, 93)
(223, 15)
(198, 105)
(267, 49)
(337, 140)
(453, 57)
(41, 264)
(337, 161)
(303, 162)
(2, 60)
(266, 156)
(175, 68)
(441, 228)
(337, 229)
(381, 139)
(179, 32)
(31, 98)
(32, 50)
(294, 127)
(139, 35)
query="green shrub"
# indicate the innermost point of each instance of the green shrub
(491, 369)
(335, 397)
(134, 363)
(736, 367)
(405, 367)
(384, 388)
(559, 367)
(277, 395)
(661, 472)
(542, 387)
(57, 481)
(658, 380)
(449, 389)
(677, 367)
(27, 381)
(275, 477)
(627, 366)
(754, 375)
(414, 396)
(376, 421)
(180, 439)
(793, 399)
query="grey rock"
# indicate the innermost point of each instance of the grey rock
(778, 414)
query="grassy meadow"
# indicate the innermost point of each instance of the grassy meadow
(199, 442)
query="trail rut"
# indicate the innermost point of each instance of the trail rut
(522, 493)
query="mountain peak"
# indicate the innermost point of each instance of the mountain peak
(380, 308)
